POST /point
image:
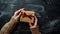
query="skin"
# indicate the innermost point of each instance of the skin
(8, 27)
(34, 28)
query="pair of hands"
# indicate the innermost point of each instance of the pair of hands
(17, 14)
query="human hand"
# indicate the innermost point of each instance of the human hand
(35, 24)
(34, 28)
(17, 14)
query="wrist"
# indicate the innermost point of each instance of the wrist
(35, 31)
(13, 20)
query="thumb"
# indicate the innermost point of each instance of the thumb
(30, 24)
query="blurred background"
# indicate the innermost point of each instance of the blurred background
(47, 12)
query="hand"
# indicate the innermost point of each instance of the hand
(17, 14)
(35, 24)
(34, 28)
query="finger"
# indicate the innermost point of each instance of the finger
(22, 10)
(30, 24)
(19, 15)
(35, 21)
(18, 11)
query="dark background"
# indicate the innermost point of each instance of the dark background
(47, 12)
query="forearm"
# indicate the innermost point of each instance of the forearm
(8, 27)
(35, 31)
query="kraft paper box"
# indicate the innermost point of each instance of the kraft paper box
(27, 17)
